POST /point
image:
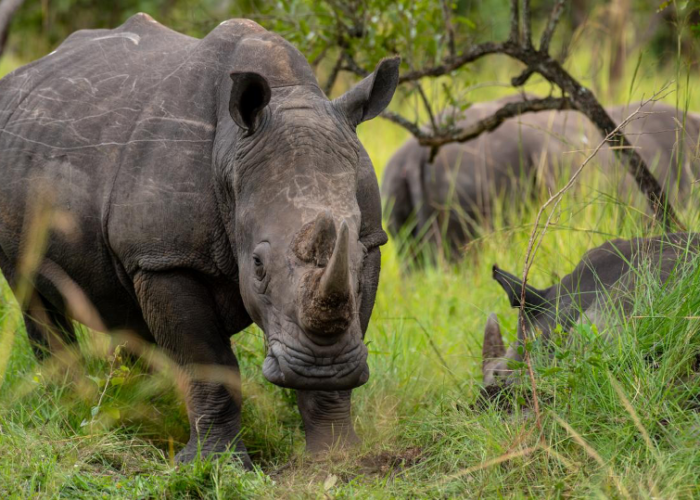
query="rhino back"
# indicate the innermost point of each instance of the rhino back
(609, 272)
(115, 129)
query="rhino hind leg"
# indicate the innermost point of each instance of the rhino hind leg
(48, 328)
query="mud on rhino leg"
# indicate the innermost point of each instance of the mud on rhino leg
(48, 328)
(327, 420)
(180, 313)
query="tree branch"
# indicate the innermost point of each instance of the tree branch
(514, 22)
(352, 66)
(334, 75)
(554, 17)
(447, 18)
(493, 121)
(527, 25)
(522, 78)
(8, 8)
(426, 104)
(414, 129)
(453, 63)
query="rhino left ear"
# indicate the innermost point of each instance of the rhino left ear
(250, 93)
(369, 97)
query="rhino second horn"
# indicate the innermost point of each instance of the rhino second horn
(493, 341)
(316, 240)
(335, 282)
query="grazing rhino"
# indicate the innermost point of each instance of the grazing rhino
(210, 184)
(605, 277)
(455, 193)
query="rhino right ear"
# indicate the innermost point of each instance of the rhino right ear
(250, 93)
(513, 286)
(369, 97)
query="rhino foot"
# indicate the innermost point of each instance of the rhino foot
(327, 421)
(194, 449)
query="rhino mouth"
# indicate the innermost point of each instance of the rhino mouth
(294, 361)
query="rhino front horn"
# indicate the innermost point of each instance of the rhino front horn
(327, 304)
(335, 282)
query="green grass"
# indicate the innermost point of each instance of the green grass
(618, 418)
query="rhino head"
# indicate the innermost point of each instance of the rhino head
(307, 268)
(538, 318)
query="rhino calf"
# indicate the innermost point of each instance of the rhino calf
(605, 277)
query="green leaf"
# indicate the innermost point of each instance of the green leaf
(664, 5)
(117, 381)
(99, 381)
(114, 413)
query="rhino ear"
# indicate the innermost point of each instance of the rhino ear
(250, 94)
(513, 286)
(369, 97)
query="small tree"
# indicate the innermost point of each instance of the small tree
(435, 42)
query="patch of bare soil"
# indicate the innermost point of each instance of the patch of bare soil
(346, 469)
(390, 462)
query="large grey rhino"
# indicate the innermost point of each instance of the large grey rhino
(600, 286)
(203, 185)
(447, 198)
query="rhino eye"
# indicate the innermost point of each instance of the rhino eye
(259, 267)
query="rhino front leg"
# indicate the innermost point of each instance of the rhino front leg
(180, 314)
(327, 420)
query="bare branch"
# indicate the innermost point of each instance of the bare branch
(527, 25)
(353, 67)
(554, 17)
(451, 64)
(447, 18)
(514, 22)
(496, 119)
(426, 104)
(334, 75)
(8, 8)
(414, 129)
(522, 78)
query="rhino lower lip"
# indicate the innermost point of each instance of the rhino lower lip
(348, 370)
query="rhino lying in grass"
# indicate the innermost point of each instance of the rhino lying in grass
(444, 201)
(208, 184)
(602, 283)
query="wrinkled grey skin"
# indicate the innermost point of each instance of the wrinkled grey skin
(605, 277)
(456, 192)
(203, 185)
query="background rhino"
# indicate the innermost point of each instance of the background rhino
(606, 277)
(209, 184)
(452, 195)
